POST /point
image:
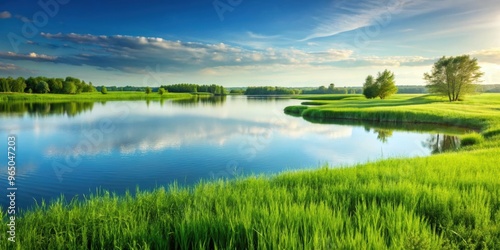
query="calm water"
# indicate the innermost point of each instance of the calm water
(74, 148)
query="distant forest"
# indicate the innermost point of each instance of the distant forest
(331, 89)
(42, 85)
(72, 85)
(270, 90)
(195, 88)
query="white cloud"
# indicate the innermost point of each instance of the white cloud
(30, 57)
(5, 15)
(223, 63)
(351, 15)
(487, 55)
(259, 36)
(7, 67)
(133, 54)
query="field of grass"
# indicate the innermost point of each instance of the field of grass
(444, 201)
(94, 96)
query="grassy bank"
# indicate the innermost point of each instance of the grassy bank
(478, 112)
(94, 96)
(444, 201)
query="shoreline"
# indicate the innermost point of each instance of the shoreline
(93, 96)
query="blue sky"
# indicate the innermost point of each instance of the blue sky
(243, 42)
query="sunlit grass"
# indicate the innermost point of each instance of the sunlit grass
(471, 139)
(444, 201)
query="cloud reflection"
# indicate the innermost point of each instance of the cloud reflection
(150, 134)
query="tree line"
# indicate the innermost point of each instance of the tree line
(269, 90)
(195, 88)
(331, 89)
(43, 85)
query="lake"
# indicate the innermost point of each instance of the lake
(75, 148)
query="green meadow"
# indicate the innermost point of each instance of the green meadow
(444, 201)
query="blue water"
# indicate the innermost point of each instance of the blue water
(119, 146)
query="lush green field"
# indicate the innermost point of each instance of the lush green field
(93, 96)
(444, 201)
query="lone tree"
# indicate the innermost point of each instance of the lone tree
(148, 90)
(386, 84)
(104, 90)
(454, 77)
(370, 88)
(161, 91)
(382, 87)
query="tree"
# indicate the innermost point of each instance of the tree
(331, 88)
(370, 88)
(454, 77)
(161, 91)
(42, 87)
(55, 85)
(4, 85)
(89, 88)
(104, 90)
(30, 84)
(148, 90)
(386, 84)
(19, 85)
(69, 87)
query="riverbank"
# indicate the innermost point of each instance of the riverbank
(449, 200)
(476, 112)
(93, 96)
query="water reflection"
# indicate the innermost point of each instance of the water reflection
(441, 139)
(201, 100)
(441, 143)
(383, 134)
(74, 108)
(416, 127)
(261, 99)
(45, 108)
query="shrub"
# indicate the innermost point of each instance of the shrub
(471, 139)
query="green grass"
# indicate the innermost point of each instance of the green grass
(471, 139)
(94, 96)
(479, 111)
(444, 201)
